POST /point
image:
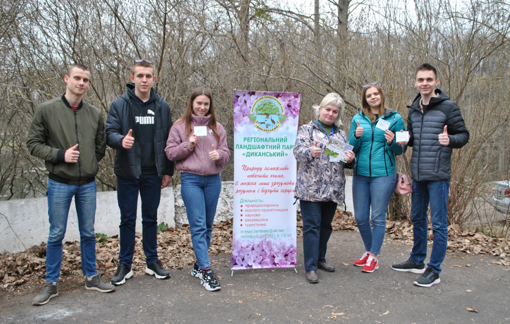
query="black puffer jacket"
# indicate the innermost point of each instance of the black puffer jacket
(430, 160)
(121, 118)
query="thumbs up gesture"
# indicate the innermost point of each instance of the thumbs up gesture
(316, 150)
(72, 154)
(128, 140)
(444, 139)
(359, 130)
(214, 155)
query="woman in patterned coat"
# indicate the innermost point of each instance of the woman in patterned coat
(320, 185)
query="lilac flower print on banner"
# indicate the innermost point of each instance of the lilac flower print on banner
(244, 100)
(262, 253)
(290, 102)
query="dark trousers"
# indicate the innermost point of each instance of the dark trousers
(149, 187)
(317, 218)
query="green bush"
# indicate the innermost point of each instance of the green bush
(101, 238)
(163, 227)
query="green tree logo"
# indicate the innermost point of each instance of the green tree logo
(267, 113)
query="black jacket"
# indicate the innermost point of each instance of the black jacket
(430, 160)
(121, 118)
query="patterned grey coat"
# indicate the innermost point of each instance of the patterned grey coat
(318, 179)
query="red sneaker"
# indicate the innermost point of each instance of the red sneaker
(362, 261)
(371, 265)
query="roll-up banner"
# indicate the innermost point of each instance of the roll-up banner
(265, 130)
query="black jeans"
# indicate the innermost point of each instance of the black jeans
(317, 218)
(149, 187)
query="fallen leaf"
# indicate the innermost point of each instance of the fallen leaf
(471, 309)
(345, 264)
(457, 266)
(469, 290)
(337, 314)
(387, 312)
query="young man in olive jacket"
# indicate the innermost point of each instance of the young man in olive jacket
(435, 127)
(137, 128)
(68, 134)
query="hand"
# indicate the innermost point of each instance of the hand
(165, 181)
(316, 151)
(402, 143)
(128, 140)
(359, 130)
(192, 141)
(214, 155)
(389, 135)
(350, 156)
(444, 139)
(72, 154)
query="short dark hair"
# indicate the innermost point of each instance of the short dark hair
(76, 65)
(426, 67)
(143, 63)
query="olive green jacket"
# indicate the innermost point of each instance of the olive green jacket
(56, 127)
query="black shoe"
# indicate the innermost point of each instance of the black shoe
(196, 272)
(409, 266)
(122, 274)
(326, 267)
(209, 280)
(157, 270)
(427, 279)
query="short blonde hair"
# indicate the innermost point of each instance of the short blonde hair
(331, 99)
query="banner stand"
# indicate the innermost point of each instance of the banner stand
(264, 223)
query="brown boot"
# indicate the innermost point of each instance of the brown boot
(311, 277)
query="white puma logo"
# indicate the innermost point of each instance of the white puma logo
(150, 112)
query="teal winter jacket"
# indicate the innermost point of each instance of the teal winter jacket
(374, 157)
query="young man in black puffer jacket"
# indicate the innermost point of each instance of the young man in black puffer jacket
(435, 127)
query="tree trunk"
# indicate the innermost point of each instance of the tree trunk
(317, 29)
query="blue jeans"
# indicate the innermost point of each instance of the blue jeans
(200, 195)
(435, 192)
(375, 192)
(317, 218)
(59, 201)
(149, 187)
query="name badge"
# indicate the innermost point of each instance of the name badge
(200, 130)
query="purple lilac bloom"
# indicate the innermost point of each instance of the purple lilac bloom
(263, 253)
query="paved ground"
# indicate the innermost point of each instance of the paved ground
(282, 296)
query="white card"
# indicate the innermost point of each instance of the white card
(383, 124)
(402, 136)
(200, 130)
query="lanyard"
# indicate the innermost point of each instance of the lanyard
(332, 130)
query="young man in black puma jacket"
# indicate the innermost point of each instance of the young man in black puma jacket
(137, 128)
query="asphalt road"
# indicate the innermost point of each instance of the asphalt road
(282, 296)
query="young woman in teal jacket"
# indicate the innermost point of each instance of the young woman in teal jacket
(372, 134)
